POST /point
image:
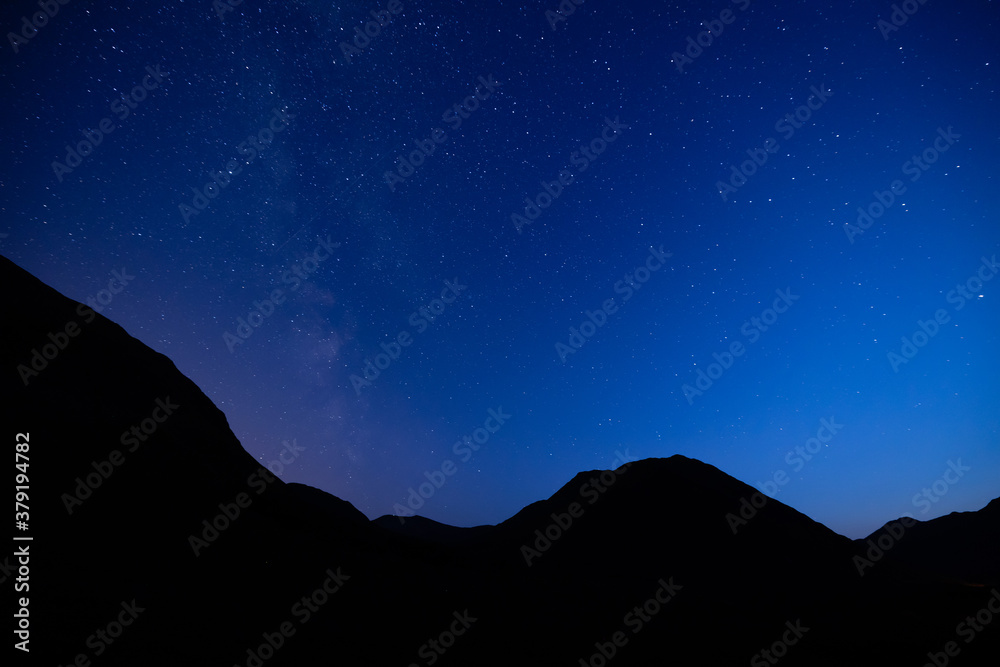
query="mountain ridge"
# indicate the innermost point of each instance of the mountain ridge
(218, 552)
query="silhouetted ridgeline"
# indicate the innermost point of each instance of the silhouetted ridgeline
(157, 540)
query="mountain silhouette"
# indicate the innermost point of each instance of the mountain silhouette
(145, 508)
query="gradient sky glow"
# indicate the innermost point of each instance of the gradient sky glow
(267, 92)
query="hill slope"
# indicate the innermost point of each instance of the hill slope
(144, 507)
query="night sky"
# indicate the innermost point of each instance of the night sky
(493, 245)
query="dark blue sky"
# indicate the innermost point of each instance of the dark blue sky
(679, 202)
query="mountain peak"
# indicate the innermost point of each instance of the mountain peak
(144, 497)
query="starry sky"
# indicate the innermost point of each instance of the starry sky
(481, 247)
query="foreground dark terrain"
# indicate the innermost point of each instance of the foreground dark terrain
(640, 565)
